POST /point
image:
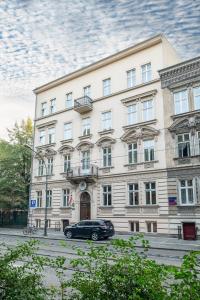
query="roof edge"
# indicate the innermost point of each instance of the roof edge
(101, 63)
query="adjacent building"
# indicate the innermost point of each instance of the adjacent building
(108, 136)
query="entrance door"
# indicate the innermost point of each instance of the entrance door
(85, 206)
(65, 223)
(189, 232)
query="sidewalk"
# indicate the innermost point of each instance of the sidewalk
(156, 242)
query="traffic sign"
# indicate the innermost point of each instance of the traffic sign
(33, 203)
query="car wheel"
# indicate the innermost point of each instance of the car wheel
(95, 236)
(68, 234)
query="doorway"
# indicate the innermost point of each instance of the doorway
(189, 231)
(65, 223)
(85, 213)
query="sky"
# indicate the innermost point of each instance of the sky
(41, 40)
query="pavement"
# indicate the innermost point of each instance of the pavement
(156, 242)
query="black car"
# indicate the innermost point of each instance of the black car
(94, 229)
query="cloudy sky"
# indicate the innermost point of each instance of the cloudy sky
(41, 40)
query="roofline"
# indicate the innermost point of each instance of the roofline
(185, 62)
(101, 63)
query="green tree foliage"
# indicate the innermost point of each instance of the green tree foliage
(113, 271)
(15, 166)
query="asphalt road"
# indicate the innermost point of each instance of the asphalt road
(53, 248)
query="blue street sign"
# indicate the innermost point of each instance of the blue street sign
(33, 203)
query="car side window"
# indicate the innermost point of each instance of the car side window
(96, 223)
(81, 224)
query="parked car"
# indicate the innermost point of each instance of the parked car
(94, 229)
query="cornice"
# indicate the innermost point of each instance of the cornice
(101, 63)
(46, 124)
(185, 72)
(139, 96)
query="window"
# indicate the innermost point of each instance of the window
(69, 100)
(106, 120)
(186, 192)
(198, 143)
(131, 78)
(150, 191)
(107, 195)
(132, 153)
(134, 226)
(106, 87)
(107, 157)
(183, 145)
(42, 137)
(133, 194)
(146, 72)
(132, 114)
(148, 150)
(51, 135)
(41, 167)
(49, 223)
(50, 166)
(49, 198)
(38, 223)
(66, 196)
(147, 110)
(196, 92)
(68, 131)
(67, 162)
(86, 126)
(86, 160)
(52, 106)
(39, 198)
(181, 102)
(87, 91)
(151, 226)
(44, 109)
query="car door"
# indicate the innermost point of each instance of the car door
(79, 230)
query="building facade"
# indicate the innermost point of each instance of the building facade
(106, 134)
(181, 87)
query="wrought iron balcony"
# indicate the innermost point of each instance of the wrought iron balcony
(88, 174)
(83, 104)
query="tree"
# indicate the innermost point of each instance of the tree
(15, 166)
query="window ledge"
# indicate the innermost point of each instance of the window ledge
(84, 137)
(40, 176)
(144, 206)
(188, 113)
(66, 141)
(132, 206)
(45, 146)
(106, 206)
(106, 168)
(188, 205)
(106, 131)
(66, 207)
(153, 121)
(150, 162)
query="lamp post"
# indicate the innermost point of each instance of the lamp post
(46, 187)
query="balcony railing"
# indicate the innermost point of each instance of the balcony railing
(83, 104)
(79, 173)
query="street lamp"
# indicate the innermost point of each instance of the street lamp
(46, 187)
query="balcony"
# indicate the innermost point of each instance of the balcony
(83, 104)
(78, 174)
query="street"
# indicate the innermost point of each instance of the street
(53, 248)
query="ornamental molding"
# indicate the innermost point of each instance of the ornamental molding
(105, 141)
(186, 72)
(139, 133)
(138, 97)
(48, 152)
(185, 124)
(65, 149)
(84, 145)
(46, 124)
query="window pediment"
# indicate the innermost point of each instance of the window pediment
(185, 124)
(139, 133)
(105, 141)
(66, 149)
(84, 145)
(48, 152)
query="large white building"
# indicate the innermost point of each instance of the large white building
(102, 133)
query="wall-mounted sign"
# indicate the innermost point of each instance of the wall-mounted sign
(33, 203)
(172, 201)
